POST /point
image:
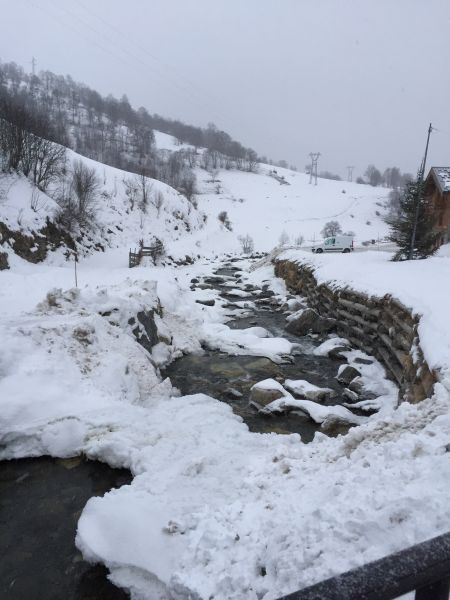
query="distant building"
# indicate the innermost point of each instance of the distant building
(437, 191)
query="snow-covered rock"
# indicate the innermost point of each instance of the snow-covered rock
(307, 390)
(265, 392)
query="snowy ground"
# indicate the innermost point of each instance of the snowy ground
(258, 205)
(423, 286)
(213, 510)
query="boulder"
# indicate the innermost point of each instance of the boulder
(363, 361)
(206, 302)
(356, 385)
(307, 390)
(346, 374)
(336, 353)
(265, 392)
(335, 425)
(350, 395)
(308, 320)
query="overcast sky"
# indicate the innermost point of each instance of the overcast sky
(357, 80)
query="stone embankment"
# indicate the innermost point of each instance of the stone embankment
(382, 327)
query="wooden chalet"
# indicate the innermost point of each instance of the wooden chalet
(437, 191)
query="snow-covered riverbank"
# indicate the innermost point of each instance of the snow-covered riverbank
(213, 510)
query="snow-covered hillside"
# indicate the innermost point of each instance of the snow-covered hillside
(120, 219)
(258, 204)
(213, 510)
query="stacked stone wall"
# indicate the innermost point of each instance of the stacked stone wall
(382, 327)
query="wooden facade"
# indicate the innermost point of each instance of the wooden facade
(437, 191)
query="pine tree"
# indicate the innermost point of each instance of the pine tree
(402, 224)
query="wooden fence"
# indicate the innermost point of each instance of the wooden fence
(155, 250)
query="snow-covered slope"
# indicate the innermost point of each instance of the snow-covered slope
(259, 205)
(119, 223)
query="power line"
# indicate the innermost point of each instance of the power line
(140, 47)
(111, 53)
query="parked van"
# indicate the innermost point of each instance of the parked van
(337, 243)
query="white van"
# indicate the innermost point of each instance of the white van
(337, 243)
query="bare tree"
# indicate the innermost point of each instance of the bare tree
(144, 188)
(77, 198)
(373, 175)
(158, 200)
(247, 243)
(331, 228)
(283, 239)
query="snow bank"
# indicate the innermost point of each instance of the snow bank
(423, 286)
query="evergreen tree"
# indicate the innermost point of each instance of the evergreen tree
(402, 224)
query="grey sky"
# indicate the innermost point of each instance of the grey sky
(357, 80)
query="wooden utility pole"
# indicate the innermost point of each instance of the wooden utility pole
(420, 176)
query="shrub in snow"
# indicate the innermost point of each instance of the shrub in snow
(223, 218)
(77, 198)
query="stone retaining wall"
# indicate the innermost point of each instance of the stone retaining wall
(382, 327)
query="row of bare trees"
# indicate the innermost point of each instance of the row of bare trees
(26, 144)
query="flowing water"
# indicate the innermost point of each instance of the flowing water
(41, 500)
(229, 378)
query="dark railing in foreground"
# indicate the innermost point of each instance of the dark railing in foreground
(424, 568)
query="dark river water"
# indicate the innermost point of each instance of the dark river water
(41, 500)
(221, 375)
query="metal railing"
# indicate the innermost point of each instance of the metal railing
(424, 568)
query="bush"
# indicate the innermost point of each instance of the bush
(223, 218)
(77, 199)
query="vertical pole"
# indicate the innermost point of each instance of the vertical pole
(420, 177)
(75, 268)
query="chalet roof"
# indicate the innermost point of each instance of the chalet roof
(441, 176)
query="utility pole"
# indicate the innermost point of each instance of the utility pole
(419, 193)
(350, 173)
(313, 171)
(75, 256)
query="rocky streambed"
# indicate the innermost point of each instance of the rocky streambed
(234, 378)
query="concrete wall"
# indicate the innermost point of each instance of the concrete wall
(382, 327)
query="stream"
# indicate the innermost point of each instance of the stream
(229, 378)
(41, 499)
